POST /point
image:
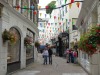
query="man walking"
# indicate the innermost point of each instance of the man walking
(50, 55)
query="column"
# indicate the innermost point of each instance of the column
(23, 54)
(3, 53)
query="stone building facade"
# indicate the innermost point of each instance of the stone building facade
(23, 23)
(89, 16)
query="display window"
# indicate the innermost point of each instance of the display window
(30, 49)
(14, 49)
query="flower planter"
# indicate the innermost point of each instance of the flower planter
(90, 40)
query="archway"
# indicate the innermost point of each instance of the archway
(13, 56)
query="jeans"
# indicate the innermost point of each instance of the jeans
(45, 59)
(50, 59)
(75, 60)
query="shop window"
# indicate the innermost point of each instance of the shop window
(30, 49)
(10, 2)
(25, 4)
(17, 2)
(14, 49)
(1, 9)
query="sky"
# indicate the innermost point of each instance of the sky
(43, 3)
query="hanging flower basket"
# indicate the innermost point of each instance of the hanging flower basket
(13, 37)
(89, 41)
(50, 7)
(37, 44)
(28, 41)
(5, 36)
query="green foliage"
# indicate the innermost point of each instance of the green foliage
(72, 44)
(28, 41)
(89, 41)
(37, 44)
(5, 35)
(51, 6)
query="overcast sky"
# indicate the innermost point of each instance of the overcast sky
(43, 3)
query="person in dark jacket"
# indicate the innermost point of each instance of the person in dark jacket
(50, 56)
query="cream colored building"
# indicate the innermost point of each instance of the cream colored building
(89, 16)
(68, 17)
(23, 23)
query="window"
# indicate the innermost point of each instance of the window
(17, 2)
(63, 13)
(14, 50)
(74, 20)
(66, 9)
(1, 10)
(10, 2)
(30, 49)
(25, 4)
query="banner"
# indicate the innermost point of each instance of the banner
(70, 5)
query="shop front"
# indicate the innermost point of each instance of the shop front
(14, 51)
(30, 49)
(63, 40)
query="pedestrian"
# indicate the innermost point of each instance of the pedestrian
(72, 57)
(45, 56)
(75, 56)
(67, 55)
(50, 55)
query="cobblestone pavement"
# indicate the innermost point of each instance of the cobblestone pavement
(59, 67)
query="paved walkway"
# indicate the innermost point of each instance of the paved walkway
(59, 67)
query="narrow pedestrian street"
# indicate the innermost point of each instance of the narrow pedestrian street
(59, 67)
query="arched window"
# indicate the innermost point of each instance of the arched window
(14, 49)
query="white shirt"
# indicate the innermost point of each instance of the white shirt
(45, 52)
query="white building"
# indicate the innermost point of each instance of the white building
(21, 23)
(89, 16)
(68, 15)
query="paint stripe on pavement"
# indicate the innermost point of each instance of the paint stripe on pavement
(74, 74)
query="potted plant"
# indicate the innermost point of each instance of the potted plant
(37, 44)
(13, 37)
(5, 35)
(28, 41)
(50, 7)
(89, 41)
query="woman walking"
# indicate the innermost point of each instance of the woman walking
(45, 56)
